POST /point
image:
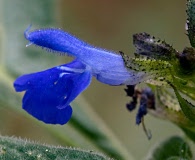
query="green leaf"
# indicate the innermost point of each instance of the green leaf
(168, 108)
(191, 21)
(175, 148)
(187, 108)
(189, 131)
(12, 148)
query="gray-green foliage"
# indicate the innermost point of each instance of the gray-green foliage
(12, 149)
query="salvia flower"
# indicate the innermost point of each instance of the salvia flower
(48, 93)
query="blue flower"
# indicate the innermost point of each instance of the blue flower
(49, 93)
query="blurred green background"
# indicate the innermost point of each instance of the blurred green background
(107, 24)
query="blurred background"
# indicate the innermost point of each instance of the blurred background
(107, 24)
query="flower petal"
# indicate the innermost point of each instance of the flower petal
(107, 66)
(49, 93)
(42, 105)
(37, 79)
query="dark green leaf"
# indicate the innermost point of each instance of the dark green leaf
(187, 108)
(190, 132)
(175, 148)
(191, 21)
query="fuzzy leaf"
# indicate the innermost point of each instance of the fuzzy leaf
(190, 24)
(12, 148)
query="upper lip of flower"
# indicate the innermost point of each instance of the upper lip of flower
(106, 66)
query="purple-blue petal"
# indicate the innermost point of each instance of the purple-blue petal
(37, 79)
(49, 93)
(42, 105)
